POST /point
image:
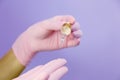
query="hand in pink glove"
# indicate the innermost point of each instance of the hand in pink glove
(53, 70)
(44, 36)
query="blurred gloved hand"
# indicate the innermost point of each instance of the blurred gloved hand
(44, 36)
(53, 70)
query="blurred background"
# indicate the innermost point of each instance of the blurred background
(98, 55)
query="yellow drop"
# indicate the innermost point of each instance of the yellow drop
(66, 29)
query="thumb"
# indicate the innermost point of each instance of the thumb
(57, 22)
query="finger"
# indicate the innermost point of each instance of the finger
(58, 74)
(75, 27)
(53, 65)
(54, 25)
(65, 18)
(50, 67)
(77, 34)
(73, 42)
(57, 22)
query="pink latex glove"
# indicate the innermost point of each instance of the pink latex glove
(44, 36)
(53, 70)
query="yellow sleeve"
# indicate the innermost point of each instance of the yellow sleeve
(10, 67)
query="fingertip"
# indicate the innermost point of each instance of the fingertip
(78, 41)
(62, 60)
(74, 42)
(77, 34)
(59, 73)
(70, 18)
(65, 18)
(75, 26)
(65, 69)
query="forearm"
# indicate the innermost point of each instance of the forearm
(10, 67)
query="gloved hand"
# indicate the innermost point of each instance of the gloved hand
(44, 36)
(53, 70)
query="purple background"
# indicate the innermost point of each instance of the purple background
(98, 56)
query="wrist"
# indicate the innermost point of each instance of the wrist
(22, 51)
